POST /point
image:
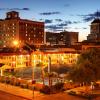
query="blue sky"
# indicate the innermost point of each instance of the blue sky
(58, 15)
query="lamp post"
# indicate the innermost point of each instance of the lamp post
(33, 79)
(16, 43)
(49, 70)
(49, 64)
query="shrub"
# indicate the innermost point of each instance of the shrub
(45, 89)
(59, 86)
(17, 84)
(24, 86)
(2, 79)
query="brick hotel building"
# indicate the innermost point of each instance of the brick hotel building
(22, 30)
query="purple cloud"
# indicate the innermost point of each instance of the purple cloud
(27, 9)
(50, 13)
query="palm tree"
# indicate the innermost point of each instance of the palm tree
(42, 70)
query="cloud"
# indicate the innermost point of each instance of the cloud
(50, 13)
(84, 28)
(76, 22)
(66, 5)
(65, 23)
(58, 24)
(87, 19)
(54, 27)
(80, 28)
(91, 16)
(47, 21)
(58, 20)
(76, 28)
(26, 9)
(61, 25)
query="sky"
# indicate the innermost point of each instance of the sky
(58, 15)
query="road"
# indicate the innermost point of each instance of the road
(7, 96)
(59, 96)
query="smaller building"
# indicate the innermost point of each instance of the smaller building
(52, 38)
(62, 38)
(69, 38)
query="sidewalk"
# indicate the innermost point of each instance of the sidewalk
(84, 89)
(26, 93)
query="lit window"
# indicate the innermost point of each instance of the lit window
(13, 27)
(34, 28)
(8, 28)
(13, 24)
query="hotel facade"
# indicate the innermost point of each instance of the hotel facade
(16, 60)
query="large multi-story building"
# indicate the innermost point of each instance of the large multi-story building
(62, 38)
(14, 28)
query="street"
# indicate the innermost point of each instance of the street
(59, 96)
(7, 96)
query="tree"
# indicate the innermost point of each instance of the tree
(87, 68)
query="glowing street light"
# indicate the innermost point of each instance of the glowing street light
(15, 43)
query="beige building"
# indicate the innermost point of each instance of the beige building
(57, 57)
(16, 60)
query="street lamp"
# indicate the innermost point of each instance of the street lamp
(49, 64)
(16, 43)
(49, 69)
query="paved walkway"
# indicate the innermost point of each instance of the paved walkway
(26, 93)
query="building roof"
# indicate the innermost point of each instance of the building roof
(97, 20)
